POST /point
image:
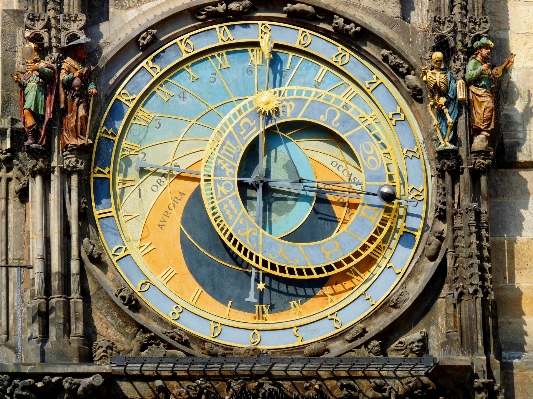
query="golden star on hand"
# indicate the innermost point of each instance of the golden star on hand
(261, 286)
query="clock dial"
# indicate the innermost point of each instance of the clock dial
(236, 193)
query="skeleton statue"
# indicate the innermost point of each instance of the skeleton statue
(443, 102)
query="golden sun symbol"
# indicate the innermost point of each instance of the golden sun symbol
(266, 102)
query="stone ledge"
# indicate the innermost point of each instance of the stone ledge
(55, 368)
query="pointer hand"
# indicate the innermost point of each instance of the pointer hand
(142, 165)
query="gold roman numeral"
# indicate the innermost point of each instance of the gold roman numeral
(256, 57)
(167, 274)
(145, 248)
(190, 72)
(125, 182)
(222, 59)
(262, 312)
(129, 149)
(143, 117)
(320, 75)
(163, 92)
(196, 295)
(296, 307)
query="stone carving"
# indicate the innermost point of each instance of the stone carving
(402, 69)
(213, 350)
(443, 103)
(197, 390)
(480, 162)
(39, 165)
(482, 79)
(143, 343)
(434, 244)
(314, 390)
(349, 389)
(317, 349)
(21, 178)
(355, 333)
(126, 296)
(482, 388)
(377, 389)
(73, 163)
(103, 350)
(89, 247)
(76, 93)
(410, 387)
(373, 349)
(146, 38)
(37, 93)
(440, 203)
(72, 28)
(399, 299)
(178, 336)
(222, 10)
(35, 24)
(161, 390)
(340, 26)
(301, 11)
(413, 345)
(249, 351)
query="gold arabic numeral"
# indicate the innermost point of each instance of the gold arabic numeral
(108, 133)
(196, 294)
(175, 312)
(288, 106)
(370, 213)
(416, 193)
(391, 265)
(396, 116)
(337, 322)
(224, 189)
(248, 128)
(186, 45)
(125, 182)
(356, 275)
(167, 274)
(326, 291)
(369, 298)
(143, 117)
(304, 38)
(104, 213)
(129, 216)
(373, 83)
(262, 312)
(222, 59)
(370, 156)
(163, 92)
(223, 34)
(331, 248)
(127, 98)
(337, 114)
(342, 57)
(228, 308)
(192, 75)
(144, 285)
(296, 307)
(297, 335)
(129, 149)
(119, 252)
(256, 57)
(216, 329)
(246, 232)
(154, 69)
(144, 249)
(255, 337)
(411, 152)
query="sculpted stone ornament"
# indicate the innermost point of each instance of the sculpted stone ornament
(103, 350)
(76, 93)
(413, 345)
(313, 390)
(126, 296)
(249, 351)
(316, 350)
(349, 389)
(213, 350)
(443, 103)
(340, 26)
(402, 69)
(398, 300)
(434, 244)
(301, 11)
(37, 91)
(356, 333)
(200, 389)
(482, 81)
(178, 336)
(146, 38)
(222, 10)
(20, 175)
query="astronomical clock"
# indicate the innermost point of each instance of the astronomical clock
(260, 184)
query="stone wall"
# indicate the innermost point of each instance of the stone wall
(511, 188)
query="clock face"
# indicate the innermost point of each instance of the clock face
(236, 192)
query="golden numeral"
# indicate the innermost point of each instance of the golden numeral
(342, 57)
(297, 335)
(372, 84)
(416, 193)
(397, 271)
(108, 133)
(154, 69)
(129, 216)
(400, 116)
(163, 92)
(190, 72)
(261, 312)
(120, 251)
(196, 295)
(144, 285)
(289, 63)
(296, 307)
(304, 38)
(349, 94)
(414, 152)
(228, 308)
(326, 292)
(186, 45)
(167, 274)
(223, 62)
(264, 29)
(369, 298)
(145, 248)
(355, 275)
(216, 329)
(128, 149)
(256, 57)
(337, 322)
(175, 313)
(127, 98)
(255, 338)
(104, 213)
(320, 75)
(143, 117)
(125, 182)
(224, 35)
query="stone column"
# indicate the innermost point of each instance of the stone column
(5, 157)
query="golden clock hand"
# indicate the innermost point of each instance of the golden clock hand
(311, 189)
(143, 165)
